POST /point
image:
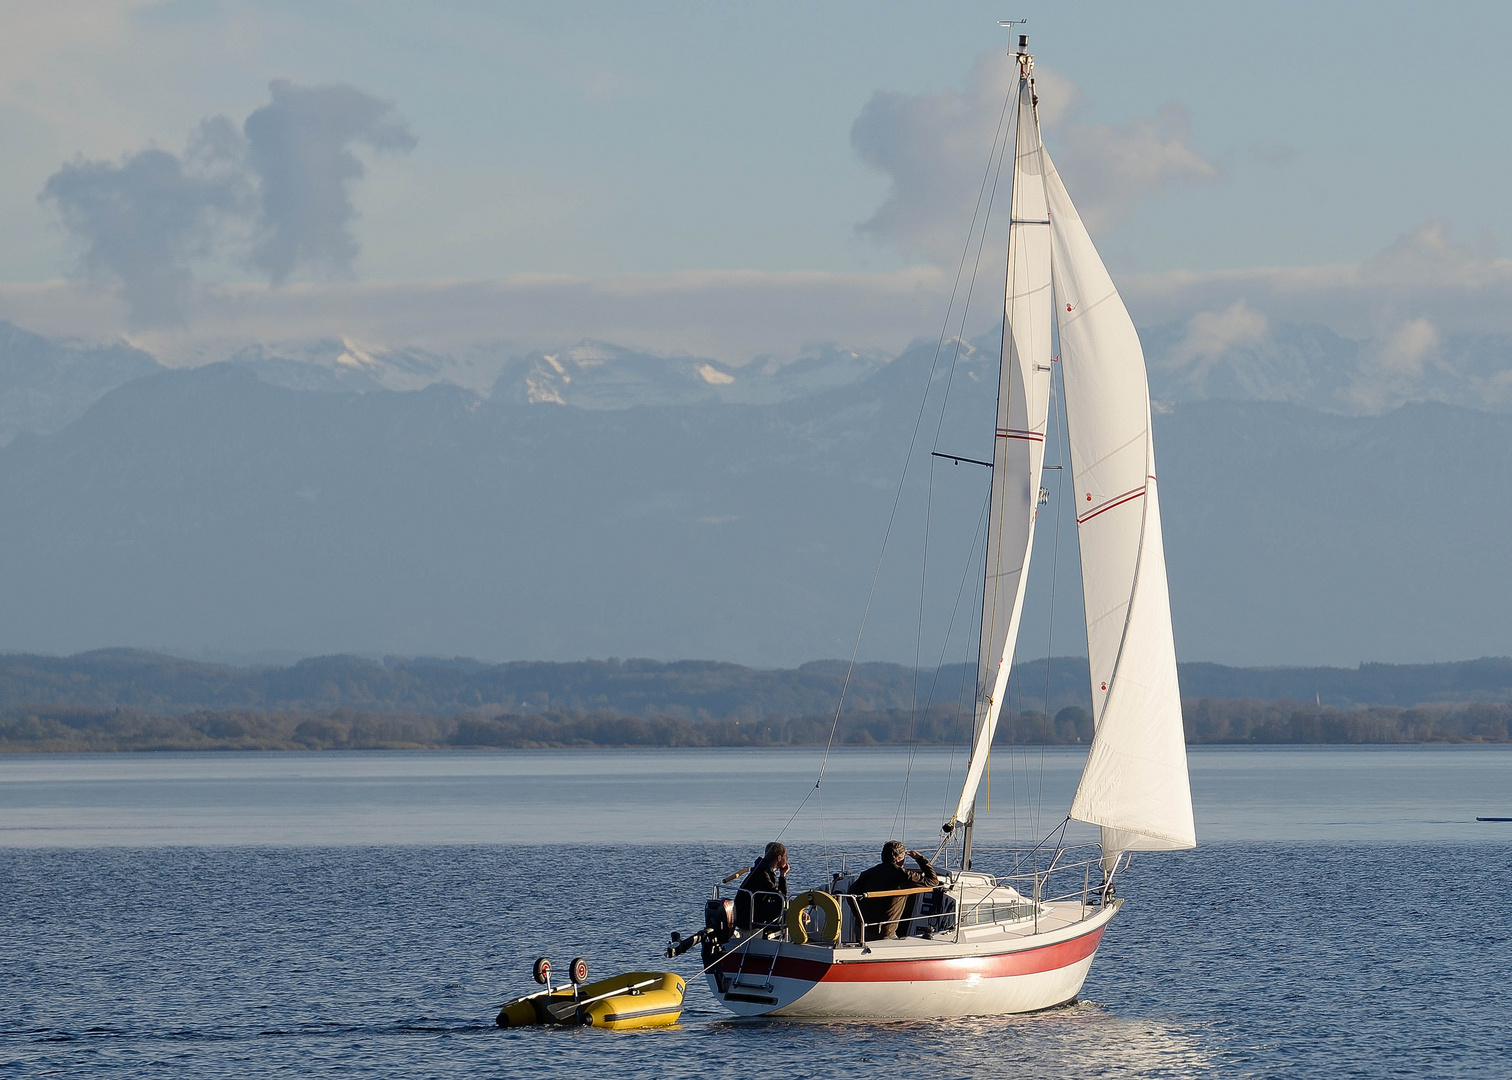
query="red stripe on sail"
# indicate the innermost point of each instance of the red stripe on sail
(1014, 433)
(1119, 501)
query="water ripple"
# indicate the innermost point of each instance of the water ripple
(1232, 961)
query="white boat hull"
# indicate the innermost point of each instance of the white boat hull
(912, 978)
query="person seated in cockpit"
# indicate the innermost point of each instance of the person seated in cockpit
(759, 900)
(884, 913)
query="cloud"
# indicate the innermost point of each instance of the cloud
(1110, 168)
(300, 147)
(1427, 318)
(1408, 348)
(275, 195)
(1394, 367)
(1460, 288)
(1210, 334)
(1422, 284)
(145, 218)
(729, 316)
(934, 148)
(1430, 251)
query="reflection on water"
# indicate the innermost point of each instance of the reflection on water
(1327, 794)
(1084, 1039)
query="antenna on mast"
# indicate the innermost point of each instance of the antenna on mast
(1023, 41)
(1022, 53)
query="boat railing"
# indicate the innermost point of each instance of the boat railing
(1034, 866)
(723, 890)
(1036, 877)
(1048, 876)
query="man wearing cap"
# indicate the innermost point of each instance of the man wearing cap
(883, 913)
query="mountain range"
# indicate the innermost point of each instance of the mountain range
(283, 500)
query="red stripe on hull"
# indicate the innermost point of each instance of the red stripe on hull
(1001, 965)
(1026, 962)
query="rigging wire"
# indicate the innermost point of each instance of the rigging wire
(1000, 149)
(995, 156)
(955, 745)
(1017, 749)
(913, 712)
(939, 666)
(960, 696)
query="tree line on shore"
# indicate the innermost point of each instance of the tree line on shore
(56, 728)
(692, 689)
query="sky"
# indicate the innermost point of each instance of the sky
(734, 180)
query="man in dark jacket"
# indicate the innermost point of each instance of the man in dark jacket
(760, 897)
(883, 913)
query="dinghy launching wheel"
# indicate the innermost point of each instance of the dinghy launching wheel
(577, 971)
(542, 971)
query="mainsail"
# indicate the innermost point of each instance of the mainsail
(1135, 781)
(1019, 444)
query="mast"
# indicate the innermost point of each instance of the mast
(1019, 438)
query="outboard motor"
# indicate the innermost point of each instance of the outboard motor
(719, 927)
(719, 920)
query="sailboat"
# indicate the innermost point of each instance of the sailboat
(978, 944)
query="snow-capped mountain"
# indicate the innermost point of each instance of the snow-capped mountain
(1313, 366)
(46, 384)
(342, 365)
(599, 375)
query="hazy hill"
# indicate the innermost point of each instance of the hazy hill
(210, 512)
(125, 678)
(164, 685)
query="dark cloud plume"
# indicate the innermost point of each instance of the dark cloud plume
(299, 146)
(144, 218)
(275, 194)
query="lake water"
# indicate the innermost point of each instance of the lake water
(342, 913)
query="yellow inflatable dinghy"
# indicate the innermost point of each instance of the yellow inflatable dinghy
(637, 999)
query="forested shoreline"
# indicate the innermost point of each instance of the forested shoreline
(163, 685)
(52, 729)
(126, 700)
